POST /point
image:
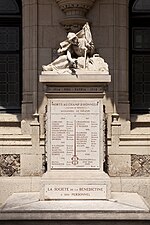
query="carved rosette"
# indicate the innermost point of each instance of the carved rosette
(75, 12)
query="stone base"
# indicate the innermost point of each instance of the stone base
(28, 206)
(75, 185)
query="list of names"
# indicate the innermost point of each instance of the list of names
(75, 127)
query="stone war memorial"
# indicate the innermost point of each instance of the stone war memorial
(76, 153)
(75, 84)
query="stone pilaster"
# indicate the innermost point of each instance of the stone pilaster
(30, 74)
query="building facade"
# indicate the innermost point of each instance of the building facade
(30, 33)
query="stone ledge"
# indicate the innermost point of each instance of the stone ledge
(122, 206)
(145, 118)
(80, 76)
(8, 117)
(60, 216)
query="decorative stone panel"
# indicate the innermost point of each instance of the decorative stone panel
(140, 165)
(9, 165)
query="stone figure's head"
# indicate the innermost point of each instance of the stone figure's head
(72, 38)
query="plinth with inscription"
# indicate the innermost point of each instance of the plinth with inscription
(75, 137)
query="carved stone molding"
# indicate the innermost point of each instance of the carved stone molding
(75, 12)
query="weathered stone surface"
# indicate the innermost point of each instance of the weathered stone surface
(31, 165)
(119, 165)
(140, 165)
(9, 165)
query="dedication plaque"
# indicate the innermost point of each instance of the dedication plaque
(66, 191)
(75, 133)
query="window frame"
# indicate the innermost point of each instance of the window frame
(14, 20)
(136, 20)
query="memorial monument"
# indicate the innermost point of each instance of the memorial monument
(75, 87)
(75, 142)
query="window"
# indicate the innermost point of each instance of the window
(139, 56)
(10, 56)
(141, 6)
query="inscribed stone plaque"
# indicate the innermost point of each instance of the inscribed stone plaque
(75, 191)
(75, 133)
(74, 89)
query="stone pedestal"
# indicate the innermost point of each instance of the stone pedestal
(75, 137)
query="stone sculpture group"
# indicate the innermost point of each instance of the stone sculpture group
(77, 52)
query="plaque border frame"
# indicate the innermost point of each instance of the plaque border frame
(101, 135)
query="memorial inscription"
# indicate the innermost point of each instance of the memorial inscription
(74, 89)
(75, 133)
(75, 191)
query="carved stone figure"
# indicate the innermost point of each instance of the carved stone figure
(77, 52)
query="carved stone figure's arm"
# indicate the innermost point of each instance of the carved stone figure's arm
(69, 56)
